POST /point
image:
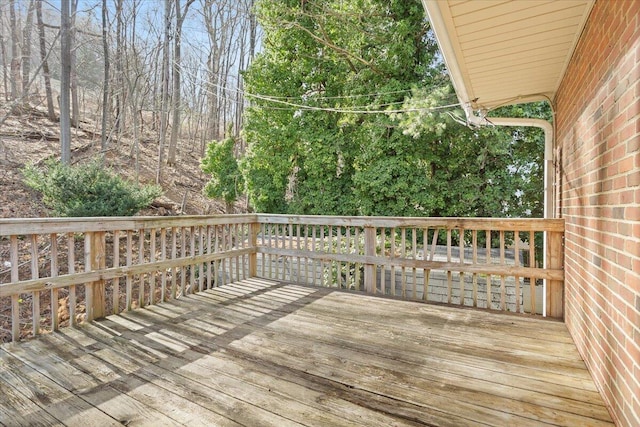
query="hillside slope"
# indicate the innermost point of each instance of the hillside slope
(32, 138)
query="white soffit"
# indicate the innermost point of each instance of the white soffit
(502, 52)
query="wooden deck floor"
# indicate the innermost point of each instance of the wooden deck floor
(260, 353)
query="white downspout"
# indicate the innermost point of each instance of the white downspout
(548, 179)
(548, 170)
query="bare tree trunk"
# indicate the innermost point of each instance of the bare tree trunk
(175, 126)
(3, 52)
(165, 89)
(253, 24)
(75, 104)
(65, 77)
(119, 78)
(15, 51)
(45, 63)
(26, 50)
(105, 84)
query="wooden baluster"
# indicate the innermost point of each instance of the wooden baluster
(461, 259)
(357, 266)
(425, 272)
(393, 257)
(226, 234)
(503, 296)
(414, 244)
(313, 249)
(227, 246)
(279, 244)
(323, 248)
(183, 254)
(348, 251)
(369, 267)
(174, 255)
(236, 228)
(129, 261)
(432, 251)
(216, 248)
(270, 245)
(339, 263)
(141, 285)
(15, 299)
(474, 245)
(152, 258)
(116, 281)
(516, 254)
(298, 271)
(192, 252)
(380, 250)
(163, 257)
(35, 296)
(241, 243)
(262, 255)
(449, 273)
(254, 227)
(488, 259)
(71, 269)
(532, 264)
(201, 251)
(307, 259)
(55, 304)
(209, 263)
(403, 254)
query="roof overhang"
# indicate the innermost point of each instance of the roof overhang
(502, 52)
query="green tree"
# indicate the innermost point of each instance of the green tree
(226, 180)
(347, 120)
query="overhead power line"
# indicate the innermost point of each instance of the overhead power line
(360, 109)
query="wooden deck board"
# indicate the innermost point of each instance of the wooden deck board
(259, 352)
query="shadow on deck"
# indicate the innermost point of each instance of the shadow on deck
(259, 352)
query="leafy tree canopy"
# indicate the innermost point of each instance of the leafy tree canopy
(348, 120)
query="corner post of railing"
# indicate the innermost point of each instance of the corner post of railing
(95, 259)
(254, 228)
(554, 261)
(369, 267)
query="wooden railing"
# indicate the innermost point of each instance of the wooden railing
(469, 262)
(56, 272)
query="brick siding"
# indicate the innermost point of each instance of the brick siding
(598, 135)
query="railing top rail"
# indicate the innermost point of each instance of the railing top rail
(12, 226)
(509, 224)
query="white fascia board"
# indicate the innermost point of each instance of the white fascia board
(439, 27)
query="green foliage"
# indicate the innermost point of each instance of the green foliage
(226, 180)
(87, 190)
(312, 150)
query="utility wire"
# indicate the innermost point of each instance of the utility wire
(361, 109)
(348, 110)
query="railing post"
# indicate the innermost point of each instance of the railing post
(254, 227)
(555, 288)
(94, 251)
(370, 250)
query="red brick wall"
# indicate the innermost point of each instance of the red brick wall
(598, 132)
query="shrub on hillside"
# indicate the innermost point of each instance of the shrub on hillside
(87, 190)
(226, 181)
